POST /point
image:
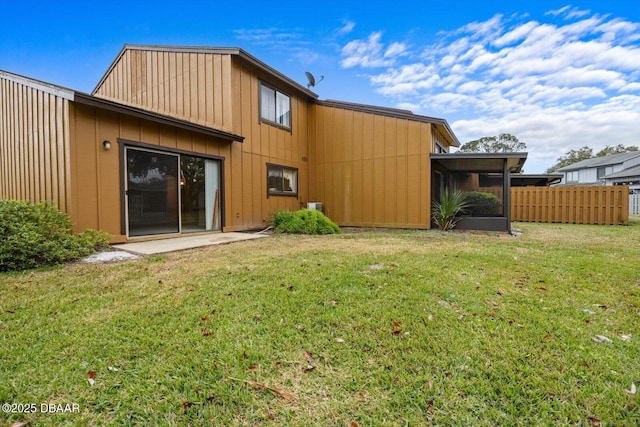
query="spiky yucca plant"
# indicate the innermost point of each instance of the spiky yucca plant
(445, 211)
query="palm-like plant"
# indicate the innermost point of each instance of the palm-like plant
(445, 211)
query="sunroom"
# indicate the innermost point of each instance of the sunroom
(485, 178)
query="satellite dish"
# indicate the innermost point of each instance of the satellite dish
(312, 80)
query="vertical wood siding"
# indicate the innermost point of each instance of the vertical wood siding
(222, 92)
(571, 204)
(34, 145)
(95, 193)
(195, 87)
(370, 170)
(249, 207)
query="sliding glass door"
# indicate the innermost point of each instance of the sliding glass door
(200, 195)
(170, 193)
(152, 193)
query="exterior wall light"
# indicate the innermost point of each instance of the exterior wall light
(106, 144)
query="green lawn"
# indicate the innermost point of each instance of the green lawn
(363, 328)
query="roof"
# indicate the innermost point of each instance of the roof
(535, 180)
(233, 51)
(441, 124)
(633, 171)
(86, 99)
(45, 87)
(481, 162)
(595, 162)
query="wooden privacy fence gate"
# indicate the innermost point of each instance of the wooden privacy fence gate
(606, 205)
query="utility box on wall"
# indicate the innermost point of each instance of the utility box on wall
(314, 206)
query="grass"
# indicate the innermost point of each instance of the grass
(364, 328)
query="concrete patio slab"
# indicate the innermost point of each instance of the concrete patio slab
(152, 247)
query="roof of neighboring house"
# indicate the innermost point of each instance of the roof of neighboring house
(481, 162)
(233, 51)
(86, 99)
(633, 171)
(595, 162)
(441, 124)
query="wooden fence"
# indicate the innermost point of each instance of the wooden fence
(634, 204)
(571, 204)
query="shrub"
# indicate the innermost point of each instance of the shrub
(480, 203)
(445, 211)
(304, 221)
(32, 235)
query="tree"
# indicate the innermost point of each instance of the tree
(618, 149)
(570, 157)
(503, 143)
(584, 153)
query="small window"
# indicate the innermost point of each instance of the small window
(282, 180)
(275, 106)
(601, 172)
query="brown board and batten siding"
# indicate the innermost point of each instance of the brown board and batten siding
(220, 87)
(370, 168)
(34, 141)
(187, 84)
(96, 190)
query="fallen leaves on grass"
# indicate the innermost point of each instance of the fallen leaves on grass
(593, 421)
(188, 404)
(282, 393)
(397, 330)
(91, 377)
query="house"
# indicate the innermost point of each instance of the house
(608, 170)
(629, 176)
(176, 140)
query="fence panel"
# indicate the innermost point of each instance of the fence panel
(634, 204)
(609, 205)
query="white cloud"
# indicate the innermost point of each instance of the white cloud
(370, 53)
(346, 28)
(556, 85)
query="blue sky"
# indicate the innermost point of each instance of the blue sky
(557, 74)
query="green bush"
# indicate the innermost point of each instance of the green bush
(33, 235)
(480, 203)
(304, 221)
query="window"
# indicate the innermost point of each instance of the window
(601, 172)
(281, 180)
(275, 106)
(572, 176)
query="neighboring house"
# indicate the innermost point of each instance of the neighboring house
(607, 170)
(629, 176)
(186, 139)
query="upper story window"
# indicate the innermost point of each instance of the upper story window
(572, 176)
(275, 106)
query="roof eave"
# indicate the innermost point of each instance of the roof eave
(86, 99)
(441, 124)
